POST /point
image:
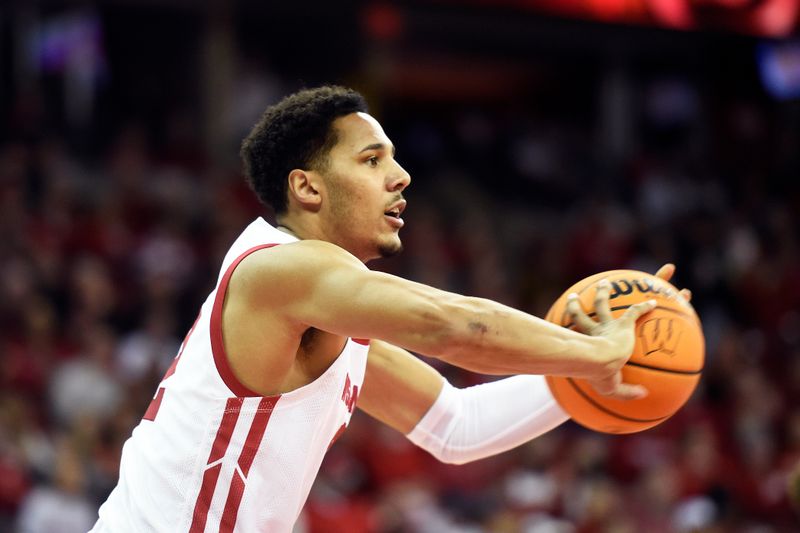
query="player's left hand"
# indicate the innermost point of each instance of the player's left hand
(666, 272)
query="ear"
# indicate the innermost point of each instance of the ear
(304, 186)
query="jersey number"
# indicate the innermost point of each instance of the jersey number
(155, 403)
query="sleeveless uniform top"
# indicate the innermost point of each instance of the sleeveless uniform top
(211, 455)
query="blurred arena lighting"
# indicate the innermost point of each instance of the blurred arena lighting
(773, 18)
(68, 44)
(779, 66)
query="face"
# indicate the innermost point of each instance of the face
(363, 185)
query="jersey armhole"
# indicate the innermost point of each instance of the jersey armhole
(215, 329)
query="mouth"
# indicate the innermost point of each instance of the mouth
(393, 214)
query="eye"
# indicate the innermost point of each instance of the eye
(373, 161)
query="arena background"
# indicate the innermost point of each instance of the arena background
(547, 141)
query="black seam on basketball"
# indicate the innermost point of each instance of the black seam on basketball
(609, 411)
(617, 308)
(667, 370)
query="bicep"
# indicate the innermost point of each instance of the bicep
(398, 387)
(316, 284)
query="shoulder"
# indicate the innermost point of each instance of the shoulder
(292, 267)
(298, 256)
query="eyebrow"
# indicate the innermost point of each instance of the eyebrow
(377, 146)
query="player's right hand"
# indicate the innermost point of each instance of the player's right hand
(619, 332)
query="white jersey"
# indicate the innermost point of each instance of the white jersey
(211, 455)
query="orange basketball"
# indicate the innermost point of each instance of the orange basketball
(667, 359)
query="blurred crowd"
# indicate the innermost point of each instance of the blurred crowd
(106, 257)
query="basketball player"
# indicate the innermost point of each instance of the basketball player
(298, 329)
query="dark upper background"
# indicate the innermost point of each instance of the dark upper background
(547, 141)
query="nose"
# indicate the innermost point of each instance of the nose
(399, 180)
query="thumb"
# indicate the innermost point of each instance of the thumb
(613, 387)
(629, 391)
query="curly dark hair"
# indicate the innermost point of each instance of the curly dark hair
(294, 133)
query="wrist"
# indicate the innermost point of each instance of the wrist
(603, 358)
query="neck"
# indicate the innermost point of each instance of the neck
(286, 229)
(309, 228)
(300, 227)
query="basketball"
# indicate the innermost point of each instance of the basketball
(667, 358)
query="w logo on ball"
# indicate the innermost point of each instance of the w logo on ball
(659, 335)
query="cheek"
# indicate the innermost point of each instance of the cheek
(349, 210)
(356, 203)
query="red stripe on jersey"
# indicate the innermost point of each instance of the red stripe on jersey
(251, 445)
(257, 429)
(200, 515)
(217, 346)
(232, 504)
(218, 448)
(232, 408)
(363, 342)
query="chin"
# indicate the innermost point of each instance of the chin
(390, 249)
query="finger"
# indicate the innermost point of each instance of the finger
(577, 313)
(666, 272)
(635, 311)
(687, 294)
(607, 386)
(601, 301)
(613, 387)
(628, 391)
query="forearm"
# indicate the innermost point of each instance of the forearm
(468, 424)
(518, 343)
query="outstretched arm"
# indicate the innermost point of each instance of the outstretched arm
(317, 284)
(459, 425)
